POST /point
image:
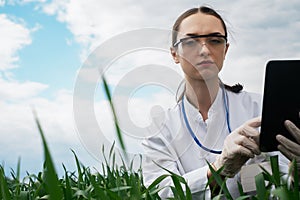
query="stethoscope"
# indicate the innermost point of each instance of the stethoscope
(225, 101)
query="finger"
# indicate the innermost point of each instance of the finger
(292, 128)
(286, 152)
(243, 151)
(235, 149)
(249, 131)
(289, 145)
(255, 122)
(249, 144)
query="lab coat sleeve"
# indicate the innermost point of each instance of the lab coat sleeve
(158, 152)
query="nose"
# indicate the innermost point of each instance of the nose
(203, 49)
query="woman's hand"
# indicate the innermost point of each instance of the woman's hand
(239, 146)
(289, 148)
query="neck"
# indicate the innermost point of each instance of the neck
(202, 94)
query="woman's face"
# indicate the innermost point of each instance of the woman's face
(205, 60)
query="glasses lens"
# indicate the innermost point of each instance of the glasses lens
(215, 41)
(189, 45)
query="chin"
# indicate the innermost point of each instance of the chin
(207, 74)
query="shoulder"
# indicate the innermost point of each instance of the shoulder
(246, 98)
(247, 102)
(165, 121)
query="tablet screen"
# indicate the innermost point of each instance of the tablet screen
(281, 101)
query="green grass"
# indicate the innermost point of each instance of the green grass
(123, 182)
(113, 183)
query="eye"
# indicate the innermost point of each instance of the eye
(215, 40)
(189, 42)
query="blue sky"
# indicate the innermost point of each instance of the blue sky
(45, 44)
(52, 53)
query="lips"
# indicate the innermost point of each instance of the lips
(205, 62)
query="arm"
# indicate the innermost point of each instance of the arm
(239, 146)
(157, 149)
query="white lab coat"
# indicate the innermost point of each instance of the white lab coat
(171, 145)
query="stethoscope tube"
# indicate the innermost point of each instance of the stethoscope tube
(225, 100)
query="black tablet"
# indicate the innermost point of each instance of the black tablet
(281, 101)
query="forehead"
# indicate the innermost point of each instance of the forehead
(201, 24)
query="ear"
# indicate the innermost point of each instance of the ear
(226, 49)
(174, 55)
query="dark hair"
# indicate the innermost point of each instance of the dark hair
(234, 88)
(192, 11)
(209, 11)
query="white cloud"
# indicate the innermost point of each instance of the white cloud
(268, 30)
(261, 30)
(13, 90)
(14, 36)
(92, 21)
(134, 115)
(22, 2)
(20, 137)
(32, 1)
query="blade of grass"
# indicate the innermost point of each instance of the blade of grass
(18, 188)
(111, 151)
(107, 92)
(296, 180)
(153, 194)
(240, 187)
(282, 193)
(178, 187)
(50, 175)
(156, 182)
(68, 190)
(220, 181)
(244, 197)
(113, 195)
(117, 189)
(16, 179)
(180, 178)
(275, 170)
(175, 194)
(80, 194)
(124, 165)
(4, 192)
(177, 179)
(80, 175)
(188, 192)
(98, 190)
(218, 197)
(242, 194)
(260, 186)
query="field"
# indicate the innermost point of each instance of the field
(122, 182)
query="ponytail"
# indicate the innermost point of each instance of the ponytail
(237, 88)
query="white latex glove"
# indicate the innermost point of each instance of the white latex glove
(289, 148)
(239, 146)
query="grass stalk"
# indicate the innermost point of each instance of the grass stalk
(118, 130)
(50, 176)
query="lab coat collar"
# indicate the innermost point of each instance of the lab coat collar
(193, 112)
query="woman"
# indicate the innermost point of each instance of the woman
(212, 121)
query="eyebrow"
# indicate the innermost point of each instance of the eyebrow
(212, 34)
(194, 35)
